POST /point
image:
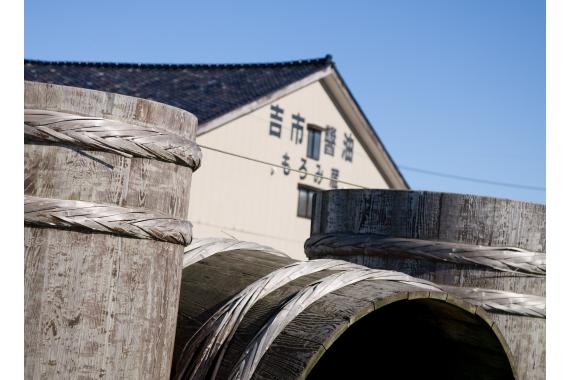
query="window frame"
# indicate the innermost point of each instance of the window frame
(309, 200)
(311, 131)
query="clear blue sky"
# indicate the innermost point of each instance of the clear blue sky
(451, 86)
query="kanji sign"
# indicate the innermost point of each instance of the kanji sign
(330, 140)
(276, 120)
(334, 177)
(348, 152)
(297, 131)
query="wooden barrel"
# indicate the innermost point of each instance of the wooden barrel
(494, 245)
(107, 183)
(247, 312)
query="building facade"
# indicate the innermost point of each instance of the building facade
(272, 135)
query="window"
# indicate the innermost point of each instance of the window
(314, 136)
(305, 202)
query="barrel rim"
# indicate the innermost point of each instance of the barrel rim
(190, 129)
(381, 302)
(441, 193)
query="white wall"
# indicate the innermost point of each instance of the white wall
(251, 201)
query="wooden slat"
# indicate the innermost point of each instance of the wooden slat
(98, 305)
(327, 318)
(257, 317)
(289, 357)
(428, 215)
(470, 276)
(456, 218)
(212, 281)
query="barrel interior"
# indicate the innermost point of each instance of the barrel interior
(414, 339)
(371, 329)
(461, 240)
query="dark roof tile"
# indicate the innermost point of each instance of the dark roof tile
(208, 91)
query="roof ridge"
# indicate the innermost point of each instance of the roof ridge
(327, 60)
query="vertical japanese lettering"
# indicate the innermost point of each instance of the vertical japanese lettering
(319, 174)
(297, 131)
(330, 140)
(285, 164)
(333, 178)
(303, 169)
(348, 152)
(276, 120)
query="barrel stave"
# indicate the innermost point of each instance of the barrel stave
(100, 305)
(451, 218)
(210, 282)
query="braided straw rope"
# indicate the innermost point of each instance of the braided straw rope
(96, 133)
(501, 301)
(202, 248)
(205, 350)
(245, 367)
(212, 339)
(249, 360)
(135, 223)
(506, 259)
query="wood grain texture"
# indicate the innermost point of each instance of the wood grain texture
(432, 216)
(453, 218)
(209, 283)
(96, 305)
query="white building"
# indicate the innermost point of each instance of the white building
(272, 134)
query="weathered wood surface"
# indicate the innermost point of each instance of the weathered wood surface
(96, 305)
(432, 216)
(465, 275)
(209, 283)
(453, 218)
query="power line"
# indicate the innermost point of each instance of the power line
(444, 175)
(244, 231)
(470, 179)
(452, 176)
(279, 166)
(430, 172)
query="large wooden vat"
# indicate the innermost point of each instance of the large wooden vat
(103, 172)
(238, 297)
(495, 245)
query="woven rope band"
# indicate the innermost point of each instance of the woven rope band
(202, 248)
(500, 301)
(87, 216)
(504, 259)
(96, 133)
(211, 340)
(204, 352)
(496, 301)
(252, 355)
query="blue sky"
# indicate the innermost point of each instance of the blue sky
(451, 86)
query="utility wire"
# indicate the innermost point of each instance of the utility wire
(279, 166)
(477, 180)
(430, 172)
(444, 175)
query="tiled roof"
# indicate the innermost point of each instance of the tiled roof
(208, 91)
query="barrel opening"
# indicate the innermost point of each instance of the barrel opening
(421, 338)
